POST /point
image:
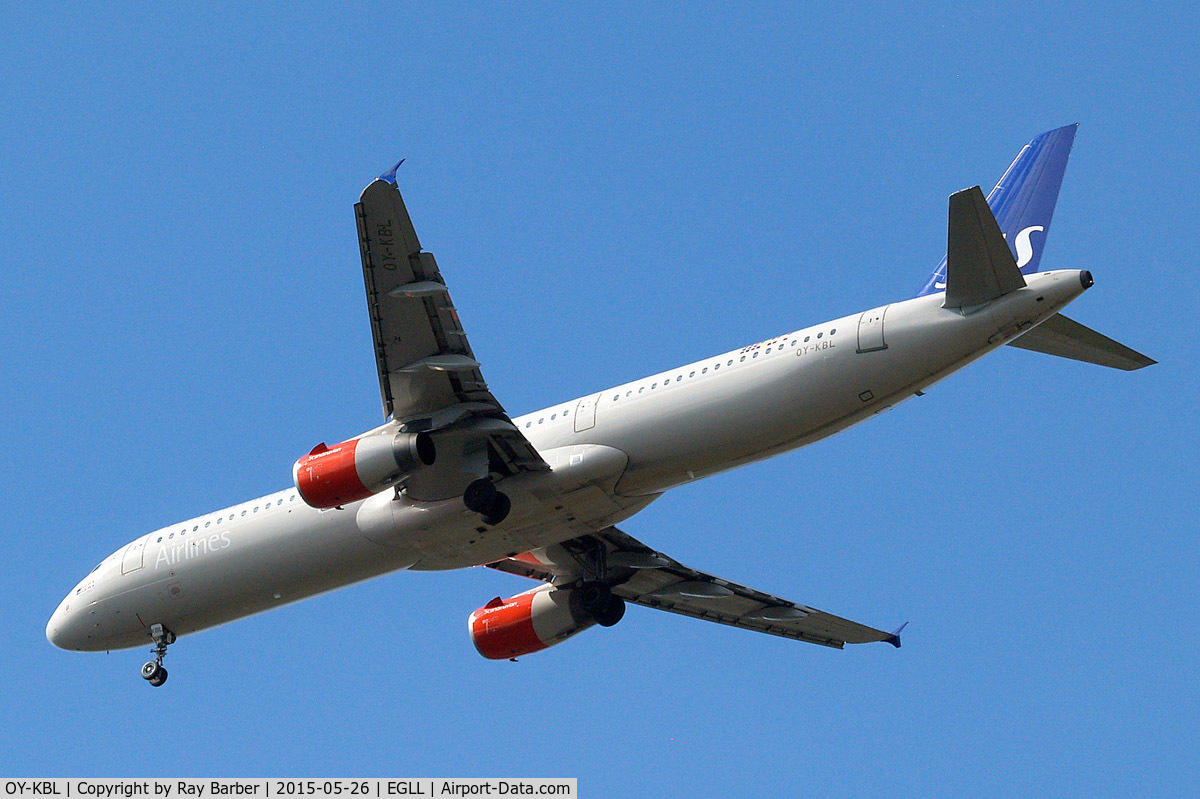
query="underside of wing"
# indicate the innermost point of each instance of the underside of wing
(428, 376)
(646, 577)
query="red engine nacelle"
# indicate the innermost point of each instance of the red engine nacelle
(525, 623)
(331, 476)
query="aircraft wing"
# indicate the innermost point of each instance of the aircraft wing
(649, 578)
(428, 376)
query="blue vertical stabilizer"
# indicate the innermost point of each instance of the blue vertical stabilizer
(1023, 201)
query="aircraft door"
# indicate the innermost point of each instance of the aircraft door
(870, 330)
(132, 560)
(585, 413)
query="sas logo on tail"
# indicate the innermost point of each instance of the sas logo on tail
(1023, 245)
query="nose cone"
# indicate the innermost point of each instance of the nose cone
(53, 626)
(61, 631)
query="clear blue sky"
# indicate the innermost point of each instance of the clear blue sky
(610, 190)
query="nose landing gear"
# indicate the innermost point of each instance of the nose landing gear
(482, 497)
(153, 671)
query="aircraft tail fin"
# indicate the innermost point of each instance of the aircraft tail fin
(1066, 338)
(1023, 201)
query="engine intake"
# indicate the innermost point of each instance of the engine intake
(331, 476)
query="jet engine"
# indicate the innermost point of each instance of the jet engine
(541, 618)
(331, 476)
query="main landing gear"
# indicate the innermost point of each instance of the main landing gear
(153, 671)
(598, 601)
(482, 497)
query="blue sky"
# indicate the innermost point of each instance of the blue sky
(610, 190)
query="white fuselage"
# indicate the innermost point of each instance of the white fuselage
(611, 454)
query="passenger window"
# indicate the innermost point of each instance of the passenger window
(691, 374)
(653, 386)
(731, 362)
(820, 334)
(220, 519)
(529, 424)
(716, 367)
(831, 332)
(768, 350)
(806, 338)
(793, 342)
(628, 393)
(553, 416)
(243, 513)
(704, 371)
(566, 414)
(159, 541)
(541, 420)
(194, 529)
(755, 355)
(641, 389)
(616, 397)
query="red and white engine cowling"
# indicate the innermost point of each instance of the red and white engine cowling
(528, 622)
(331, 476)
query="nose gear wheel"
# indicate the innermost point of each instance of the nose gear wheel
(153, 671)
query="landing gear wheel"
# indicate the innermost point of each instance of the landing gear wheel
(597, 601)
(613, 613)
(593, 598)
(153, 671)
(499, 510)
(480, 495)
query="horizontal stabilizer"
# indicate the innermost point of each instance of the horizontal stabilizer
(1066, 338)
(979, 265)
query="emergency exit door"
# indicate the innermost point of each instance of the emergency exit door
(131, 561)
(585, 413)
(870, 330)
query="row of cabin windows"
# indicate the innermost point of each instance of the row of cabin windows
(221, 519)
(704, 371)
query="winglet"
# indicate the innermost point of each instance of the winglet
(390, 175)
(894, 638)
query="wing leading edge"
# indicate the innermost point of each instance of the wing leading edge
(651, 579)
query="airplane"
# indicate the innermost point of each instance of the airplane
(450, 480)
